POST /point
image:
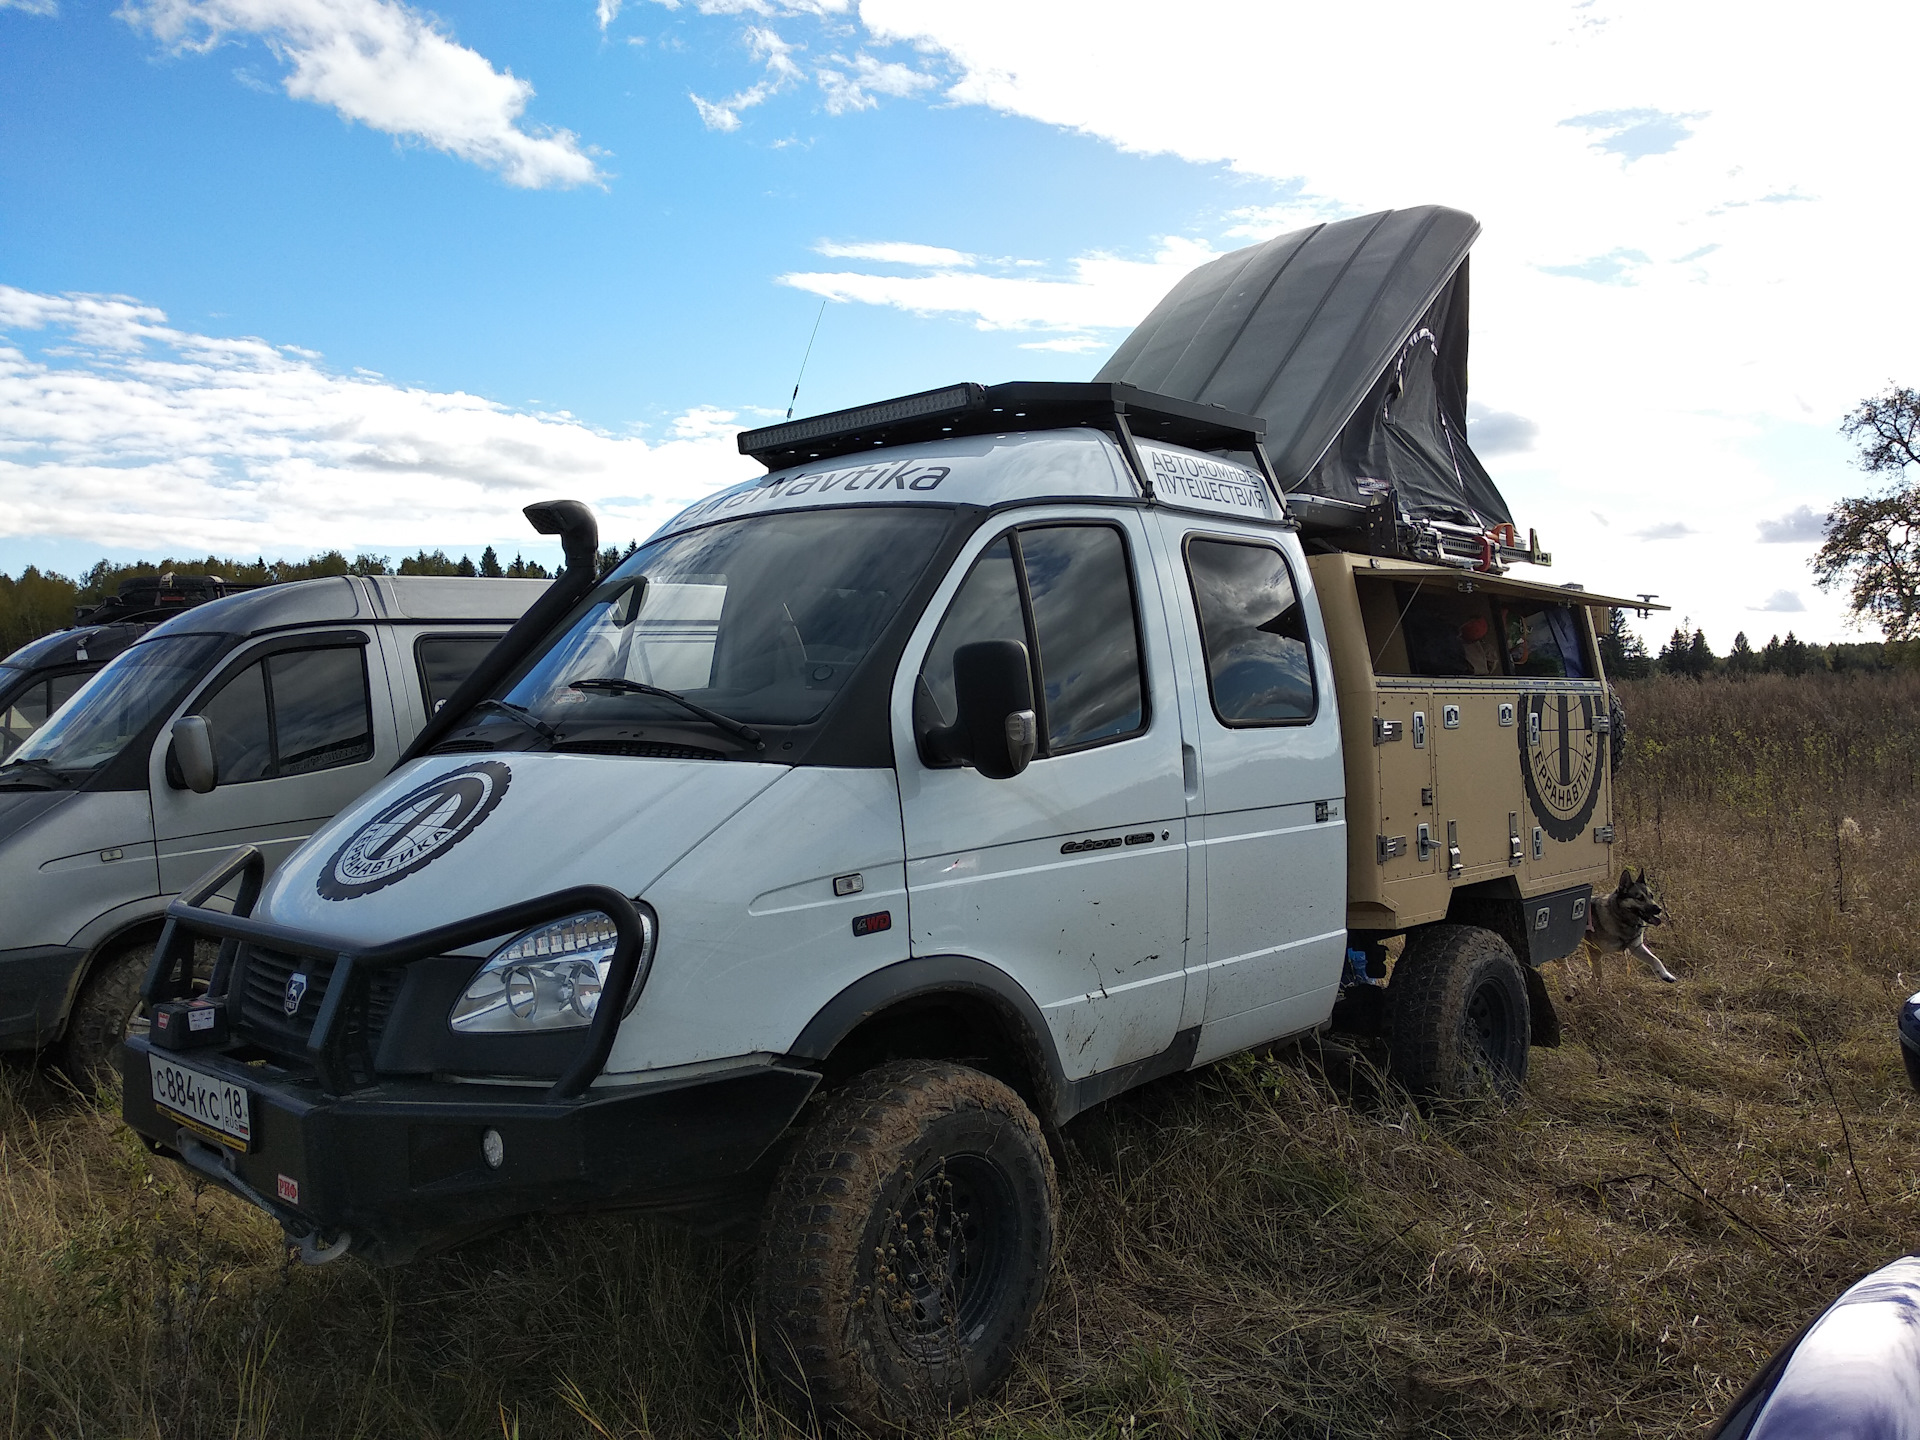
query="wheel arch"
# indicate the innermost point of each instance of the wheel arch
(139, 922)
(1496, 906)
(941, 1007)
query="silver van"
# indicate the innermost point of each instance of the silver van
(305, 695)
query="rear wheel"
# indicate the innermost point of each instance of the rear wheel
(906, 1245)
(1459, 1021)
(108, 1000)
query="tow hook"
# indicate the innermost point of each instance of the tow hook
(316, 1249)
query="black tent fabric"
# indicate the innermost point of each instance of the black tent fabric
(1350, 341)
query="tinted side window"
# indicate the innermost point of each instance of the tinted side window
(237, 716)
(1084, 641)
(987, 608)
(1259, 670)
(1089, 645)
(291, 714)
(321, 715)
(62, 688)
(445, 661)
(25, 713)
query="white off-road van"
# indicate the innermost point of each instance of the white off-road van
(995, 753)
(244, 721)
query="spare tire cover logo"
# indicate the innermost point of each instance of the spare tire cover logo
(1560, 761)
(409, 833)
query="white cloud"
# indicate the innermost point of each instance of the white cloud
(119, 429)
(1101, 292)
(606, 13)
(390, 67)
(1498, 432)
(898, 252)
(1800, 525)
(32, 7)
(1782, 601)
(781, 71)
(847, 84)
(854, 84)
(767, 9)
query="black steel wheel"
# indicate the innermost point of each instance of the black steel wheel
(1459, 1022)
(906, 1246)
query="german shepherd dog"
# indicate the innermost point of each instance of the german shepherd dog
(1618, 921)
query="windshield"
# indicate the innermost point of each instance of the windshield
(116, 704)
(759, 621)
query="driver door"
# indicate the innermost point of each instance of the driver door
(301, 726)
(1071, 876)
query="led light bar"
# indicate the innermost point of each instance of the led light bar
(949, 400)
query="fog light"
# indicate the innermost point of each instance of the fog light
(493, 1148)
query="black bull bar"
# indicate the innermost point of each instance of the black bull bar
(171, 976)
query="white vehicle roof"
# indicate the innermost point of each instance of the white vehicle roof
(995, 470)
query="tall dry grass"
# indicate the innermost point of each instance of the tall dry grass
(1274, 1247)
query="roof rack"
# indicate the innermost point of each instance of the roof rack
(970, 409)
(155, 597)
(1381, 529)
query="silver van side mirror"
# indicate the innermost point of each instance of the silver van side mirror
(193, 752)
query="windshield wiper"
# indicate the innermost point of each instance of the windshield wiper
(40, 767)
(616, 685)
(525, 716)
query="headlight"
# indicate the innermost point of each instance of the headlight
(549, 978)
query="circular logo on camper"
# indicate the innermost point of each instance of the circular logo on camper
(1560, 760)
(411, 831)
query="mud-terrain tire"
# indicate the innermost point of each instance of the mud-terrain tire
(1616, 731)
(109, 998)
(1458, 1019)
(874, 1307)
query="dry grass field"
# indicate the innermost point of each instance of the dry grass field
(1258, 1249)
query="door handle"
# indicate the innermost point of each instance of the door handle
(1190, 770)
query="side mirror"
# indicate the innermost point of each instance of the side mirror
(192, 749)
(626, 605)
(997, 732)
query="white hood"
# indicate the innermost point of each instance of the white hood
(452, 836)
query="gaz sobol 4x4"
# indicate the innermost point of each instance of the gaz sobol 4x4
(1002, 749)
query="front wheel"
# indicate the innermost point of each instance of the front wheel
(906, 1245)
(1458, 1018)
(108, 1001)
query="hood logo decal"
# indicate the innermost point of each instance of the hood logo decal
(410, 832)
(296, 992)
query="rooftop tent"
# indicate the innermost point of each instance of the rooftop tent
(1350, 341)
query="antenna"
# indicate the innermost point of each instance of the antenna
(792, 399)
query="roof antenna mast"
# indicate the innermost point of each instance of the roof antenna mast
(794, 398)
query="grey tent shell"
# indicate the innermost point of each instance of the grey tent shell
(1350, 341)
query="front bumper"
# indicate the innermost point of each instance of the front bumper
(36, 985)
(399, 1166)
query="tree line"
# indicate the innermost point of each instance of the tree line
(38, 602)
(1687, 653)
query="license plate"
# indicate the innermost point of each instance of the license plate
(212, 1107)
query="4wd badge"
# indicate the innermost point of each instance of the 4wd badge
(1560, 760)
(407, 834)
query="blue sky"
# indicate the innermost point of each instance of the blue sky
(367, 290)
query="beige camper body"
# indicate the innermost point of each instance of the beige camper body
(1475, 721)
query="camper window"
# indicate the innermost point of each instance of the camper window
(1543, 639)
(1425, 630)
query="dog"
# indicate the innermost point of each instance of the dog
(1618, 921)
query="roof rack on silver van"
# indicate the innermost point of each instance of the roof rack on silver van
(1124, 410)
